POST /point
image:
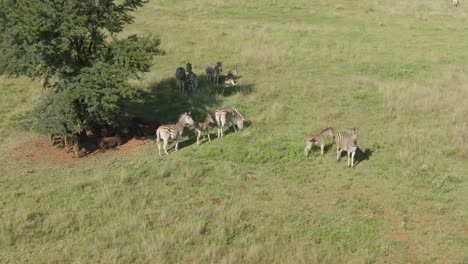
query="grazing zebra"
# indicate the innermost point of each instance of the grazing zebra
(228, 115)
(233, 74)
(172, 132)
(348, 142)
(204, 128)
(455, 2)
(180, 78)
(213, 71)
(319, 139)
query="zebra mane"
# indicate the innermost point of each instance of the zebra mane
(181, 115)
(326, 129)
(238, 112)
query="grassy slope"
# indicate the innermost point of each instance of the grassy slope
(398, 72)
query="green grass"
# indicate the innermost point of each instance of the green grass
(397, 71)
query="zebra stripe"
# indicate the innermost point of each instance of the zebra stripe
(192, 80)
(213, 71)
(347, 142)
(172, 132)
(228, 115)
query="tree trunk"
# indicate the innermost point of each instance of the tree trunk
(76, 146)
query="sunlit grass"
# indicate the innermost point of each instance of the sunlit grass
(397, 71)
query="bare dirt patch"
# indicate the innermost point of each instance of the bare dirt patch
(39, 150)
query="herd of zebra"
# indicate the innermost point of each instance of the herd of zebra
(344, 140)
(213, 71)
(223, 116)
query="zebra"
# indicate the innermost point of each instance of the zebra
(204, 128)
(180, 78)
(192, 78)
(319, 139)
(455, 2)
(217, 70)
(189, 67)
(228, 115)
(172, 132)
(230, 81)
(213, 71)
(348, 142)
(232, 74)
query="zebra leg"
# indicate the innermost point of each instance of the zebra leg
(198, 137)
(165, 147)
(322, 146)
(307, 150)
(352, 159)
(338, 154)
(349, 156)
(158, 143)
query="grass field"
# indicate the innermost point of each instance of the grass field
(397, 71)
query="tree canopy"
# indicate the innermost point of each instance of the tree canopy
(75, 48)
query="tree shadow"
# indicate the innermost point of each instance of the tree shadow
(164, 102)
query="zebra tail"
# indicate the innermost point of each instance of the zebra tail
(158, 137)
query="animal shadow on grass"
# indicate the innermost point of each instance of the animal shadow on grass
(359, 157)
(362, 156)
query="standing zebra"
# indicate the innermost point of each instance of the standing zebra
(213, 71)
(180, 78)
(192, 78)
(319, 139)
(204, 128)
(348, 142)
(172, 132)
(228, 115)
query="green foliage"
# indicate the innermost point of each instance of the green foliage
(72, 46)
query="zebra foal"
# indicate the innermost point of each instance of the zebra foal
(228, 115)
(319, 139)
(213, 71)
(348, 142)
(172, 132)
(204, 128)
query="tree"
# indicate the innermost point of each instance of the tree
(72, 45)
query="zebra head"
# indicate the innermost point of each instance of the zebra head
(209, 119)
(354, 135)
(185, 118)
(220, 66)
(189, 67)
(240, 119)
